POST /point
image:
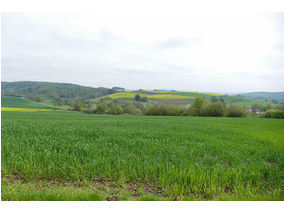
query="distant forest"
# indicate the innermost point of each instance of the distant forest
(55, 90)
(274, 97)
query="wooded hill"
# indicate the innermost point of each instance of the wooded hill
(55, 90)
(276, 97)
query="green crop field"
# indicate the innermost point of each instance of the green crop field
(19, 102)
(75, 156)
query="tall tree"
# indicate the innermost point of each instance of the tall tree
(137, 97)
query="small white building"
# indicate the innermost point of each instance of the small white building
(186, 106)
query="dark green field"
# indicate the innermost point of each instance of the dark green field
(18, 102)
(75, 156)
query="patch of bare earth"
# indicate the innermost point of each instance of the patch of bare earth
(98, 184)
(112, 198)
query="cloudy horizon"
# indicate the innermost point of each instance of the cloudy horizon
(222, 53)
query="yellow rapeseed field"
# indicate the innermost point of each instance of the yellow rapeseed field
(160, 96)
(24, 109)
(169, 96)
(121, 95)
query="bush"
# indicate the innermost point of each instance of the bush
(77, 106)
(213, 110)
(139, 98)
(137, 111)
(101, 108)
(273, 114)
(267, 107)
(164, 110)
(129, 109)
(37, 98)
(234, 110)
(195, 108)
(116, 110)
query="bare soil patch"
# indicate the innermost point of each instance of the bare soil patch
(112, 198)
(99, 184)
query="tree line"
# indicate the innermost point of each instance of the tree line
(200, 107)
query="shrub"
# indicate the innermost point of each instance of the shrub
(137, 111)
(234, 110)
(164, 110)
(101, 108)
(37, 98)
(129, 109)
(117, 110)
(213, 110)
(273, 114)
(114, 109)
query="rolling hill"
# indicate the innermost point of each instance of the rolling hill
(62, 90)
(68, 93)
(20, 102)
(180, 97)
(268, 96)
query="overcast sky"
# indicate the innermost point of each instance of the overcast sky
(195, 52)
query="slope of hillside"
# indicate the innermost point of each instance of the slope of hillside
(20, 102)
(269, 96)
(63, 94)
(180, 97)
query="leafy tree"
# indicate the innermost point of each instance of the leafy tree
(195, 108)
(137, 97)
(117, 110)
(222, 101)
(129, 109)
(214, 99)
(267, 107)
(77, 106)
(101, 108)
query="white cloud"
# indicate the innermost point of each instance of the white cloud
(199, 52)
